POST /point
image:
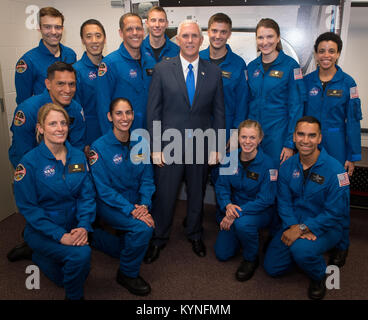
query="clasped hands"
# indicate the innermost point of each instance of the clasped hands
(294, 233)
(141, 212)
(76, 237)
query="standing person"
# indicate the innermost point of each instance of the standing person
(313, 201)
(55, 194)
(233, 70)
(186, 93)
(31, 68)
(60, 90)
(124, 199)
(246, 198)
(276, 91)
(332, 97)
(93, 38)
(126, 72)
(157, 44)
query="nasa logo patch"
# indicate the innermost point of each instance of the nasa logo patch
(313, 92)
(117, 159)
(49, 171)
(132, 73)
(92, 75)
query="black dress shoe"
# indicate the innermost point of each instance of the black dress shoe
(152, 253)
(338, 257)
(246, 269)
(135, 286)
(317, 289)
(20, 252)
(198, 247)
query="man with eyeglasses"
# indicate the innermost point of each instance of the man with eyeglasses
(31, 68)
(125, 73)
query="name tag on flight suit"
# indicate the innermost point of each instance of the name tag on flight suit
(317, 178)
(276, 74)
(252, 175)
(226, 74)
(334, 93)
(72, 168)
(149, 72)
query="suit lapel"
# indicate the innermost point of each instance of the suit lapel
(179, 75)
(200, 80)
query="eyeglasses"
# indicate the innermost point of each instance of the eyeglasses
(49, 27)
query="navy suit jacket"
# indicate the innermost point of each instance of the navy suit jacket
(168, 100)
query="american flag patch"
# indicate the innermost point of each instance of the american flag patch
(343, 179)
(298, 74)
(354, 93)
(273, 174)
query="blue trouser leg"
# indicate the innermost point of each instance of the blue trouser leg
(132, 245)
(226, 244)
(344, 243)
(52, 269)
(75, 261)
(247, 231)
(106, 242)
(308, 254)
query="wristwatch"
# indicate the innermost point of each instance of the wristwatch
(303, 228)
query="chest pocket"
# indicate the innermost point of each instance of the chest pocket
(315, 188)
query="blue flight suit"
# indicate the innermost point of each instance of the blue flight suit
(24, 126)
(254, 190)
(31, 69)
(170, 49)
(338, 108)
(121, 76)
(54, 199)
(276, 101)
(122, 181)
(321, 202)
(234, 79)
(86, 96)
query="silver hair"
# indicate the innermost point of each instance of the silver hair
(188, 21)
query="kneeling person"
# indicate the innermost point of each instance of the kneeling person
(247, 197)
(313, 203)
(124, 184)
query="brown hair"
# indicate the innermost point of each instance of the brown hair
(50, 11)
(42, 115)
(270, 24)
(126, 15)
(220, 18)
(157, 8)
(251, 124)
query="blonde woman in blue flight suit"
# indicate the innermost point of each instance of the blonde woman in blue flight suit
(55, 194)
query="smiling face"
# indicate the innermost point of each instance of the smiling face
(51, 29)
(249, 139)
(61, 87)
(94, 40)
(307, 137)
(157, 23)
(218, 34)
(327, 54)
(132, 32)
(54, 129)
(189, 40)
(267, 40)
(122, 117)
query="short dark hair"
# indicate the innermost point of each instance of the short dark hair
(89, 22)
(309, 119)
(157, 8)
(59, 66)
(114, 103)
(50, 11)
(126, 15)
(270, 24)
(328, 36)
(220, 18)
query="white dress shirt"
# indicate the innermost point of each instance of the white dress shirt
(185, 65)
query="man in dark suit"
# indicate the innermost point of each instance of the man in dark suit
(186, 94)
